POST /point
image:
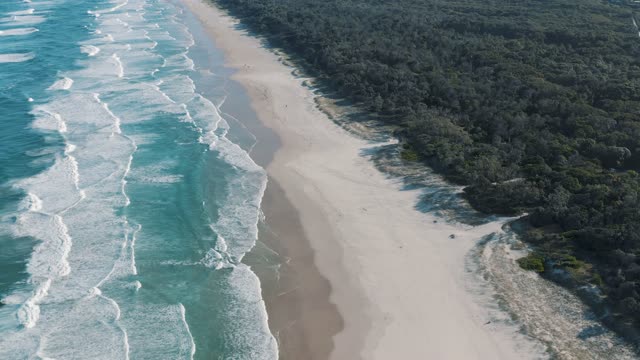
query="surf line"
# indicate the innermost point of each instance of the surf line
(29, 312)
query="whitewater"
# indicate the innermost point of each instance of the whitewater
(138, 205)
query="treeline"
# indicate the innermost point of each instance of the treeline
(535, 105)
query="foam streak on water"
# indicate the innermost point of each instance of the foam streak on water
(18, 31)
(90, 50)
(14, 58)
(62, 84)
(129, 262)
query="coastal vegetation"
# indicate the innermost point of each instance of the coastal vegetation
(533, 262)
(533, 105)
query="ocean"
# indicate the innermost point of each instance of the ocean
(128, 198)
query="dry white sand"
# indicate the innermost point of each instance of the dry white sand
(397, 278)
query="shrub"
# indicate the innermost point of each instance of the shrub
(409, 155)
(533, 262)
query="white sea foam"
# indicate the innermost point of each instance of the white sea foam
(130, 238)
(48, 120)
(50, 258)
(240, 212)
(95, 291)
(63, 84)
(179, 62)
(90, 50)
(122, 22)
(22, 12)
(75, 174)
(215, 259)
(124, 178)
(29, 312)
(207, 117)
(221, 244)
(13, 299)
(118, 313)
(157, 88)
(18, 31)
(24, 19)
(218, 257)
(119, 67)
(181, 88)
(252, 318)
(134, 269)
(183, 316)
(65, 246)
(34, 203)
(15, 58)
(105, 106)
(160, 179)
(187, 115)
(97, 13)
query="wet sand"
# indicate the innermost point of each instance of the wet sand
(301, 316)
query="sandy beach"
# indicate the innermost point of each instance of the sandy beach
(394, 277)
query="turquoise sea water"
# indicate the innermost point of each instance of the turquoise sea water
(127, 200)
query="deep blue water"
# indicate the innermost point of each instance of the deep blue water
(125, 209)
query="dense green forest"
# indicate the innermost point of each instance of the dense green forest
(535, 105)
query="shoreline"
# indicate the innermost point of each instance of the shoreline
(300, 314)
(396, 278)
